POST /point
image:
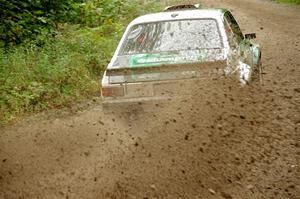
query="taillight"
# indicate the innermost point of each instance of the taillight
(112, 91)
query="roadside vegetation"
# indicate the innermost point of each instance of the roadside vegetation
(294, 2)
(52, 53)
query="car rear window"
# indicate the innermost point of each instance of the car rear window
(168, 36)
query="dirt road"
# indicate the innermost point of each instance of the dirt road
(225, 142)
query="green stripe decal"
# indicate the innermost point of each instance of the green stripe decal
(148, 60)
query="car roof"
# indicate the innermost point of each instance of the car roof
(179, 15)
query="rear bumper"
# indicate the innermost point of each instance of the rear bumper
(132, 101)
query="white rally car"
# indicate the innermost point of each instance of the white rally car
(162, 50)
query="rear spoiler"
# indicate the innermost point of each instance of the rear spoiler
(166, 68)
(182, 7)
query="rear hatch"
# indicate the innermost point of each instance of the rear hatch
(166, 72)
(159, 58)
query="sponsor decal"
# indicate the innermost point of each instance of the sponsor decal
(148, 60)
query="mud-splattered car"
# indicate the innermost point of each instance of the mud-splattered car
(160, 51)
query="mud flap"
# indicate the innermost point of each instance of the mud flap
(244, 73)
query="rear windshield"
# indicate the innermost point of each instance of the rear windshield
(166, 36)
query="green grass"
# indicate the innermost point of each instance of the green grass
(294, 2)
(66, 69)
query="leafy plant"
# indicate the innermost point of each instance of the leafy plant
(27, 19)
(55, 51)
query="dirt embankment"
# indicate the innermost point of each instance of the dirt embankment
(225, 142)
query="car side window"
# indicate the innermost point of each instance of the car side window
(233, 43)
(237, 33)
